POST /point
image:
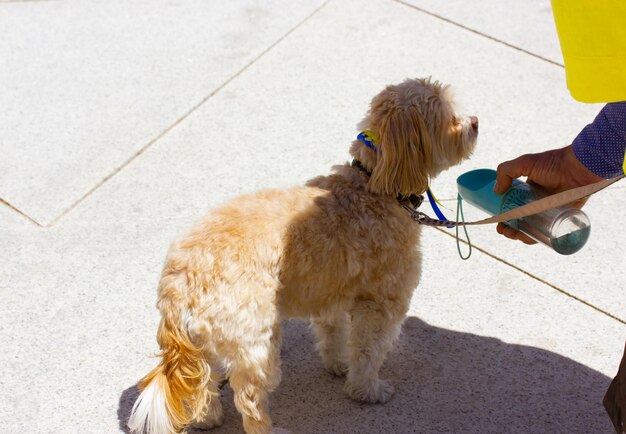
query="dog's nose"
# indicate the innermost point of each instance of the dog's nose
(474, 122)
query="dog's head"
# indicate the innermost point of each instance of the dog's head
(419, 135)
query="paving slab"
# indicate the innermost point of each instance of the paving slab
(320, 94)
(485, 348)
(472, 358)
(84, 86)
(511, 125)
(593, 274)
(527, 25)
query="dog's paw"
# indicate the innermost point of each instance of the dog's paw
(209, 421)
(379, 392)
(206, 424)
(336, 367)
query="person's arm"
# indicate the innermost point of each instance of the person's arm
(600, 146)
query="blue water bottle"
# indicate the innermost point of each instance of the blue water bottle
(564, 229)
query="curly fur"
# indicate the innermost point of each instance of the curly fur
(339, 251)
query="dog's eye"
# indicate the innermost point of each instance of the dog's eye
(456, 126)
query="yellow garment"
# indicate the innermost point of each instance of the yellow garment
(593, 42)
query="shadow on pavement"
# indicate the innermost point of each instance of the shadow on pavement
(446, 382)
(128, 398)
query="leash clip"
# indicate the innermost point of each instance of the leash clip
(417, 216)
(410, 203)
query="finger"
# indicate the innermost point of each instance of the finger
(507, 231)
(513, 234)
(509, 170)
(500, 228)
(580, 202)
(525, 239)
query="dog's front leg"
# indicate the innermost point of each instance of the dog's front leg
(374, 330)
(331, 332)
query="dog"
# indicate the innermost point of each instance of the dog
(340, 251)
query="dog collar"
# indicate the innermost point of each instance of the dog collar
(412, 201)
(369, 138)
(358, 165)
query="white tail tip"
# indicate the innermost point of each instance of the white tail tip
(149, 414)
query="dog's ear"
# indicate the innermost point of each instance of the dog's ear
(405, 153)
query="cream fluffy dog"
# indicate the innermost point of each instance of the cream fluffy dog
(340, 251)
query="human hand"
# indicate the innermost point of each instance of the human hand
(553, 171)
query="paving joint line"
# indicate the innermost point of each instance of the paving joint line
(183, 117)
(556, 288)
(464, 27)
(23, 1)
(23, 214)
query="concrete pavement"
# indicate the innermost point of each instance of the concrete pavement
(122, 122)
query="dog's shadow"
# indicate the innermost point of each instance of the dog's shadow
(445, 381)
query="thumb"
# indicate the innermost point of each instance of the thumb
(509, 170)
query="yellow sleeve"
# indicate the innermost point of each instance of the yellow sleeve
(593, 41)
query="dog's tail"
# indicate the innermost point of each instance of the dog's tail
(176, 391)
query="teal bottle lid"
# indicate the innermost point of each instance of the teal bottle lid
(476, 187)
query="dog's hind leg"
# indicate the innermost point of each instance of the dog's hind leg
(332, 333)
(375, 326)
(254, 373)
(212, 414)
